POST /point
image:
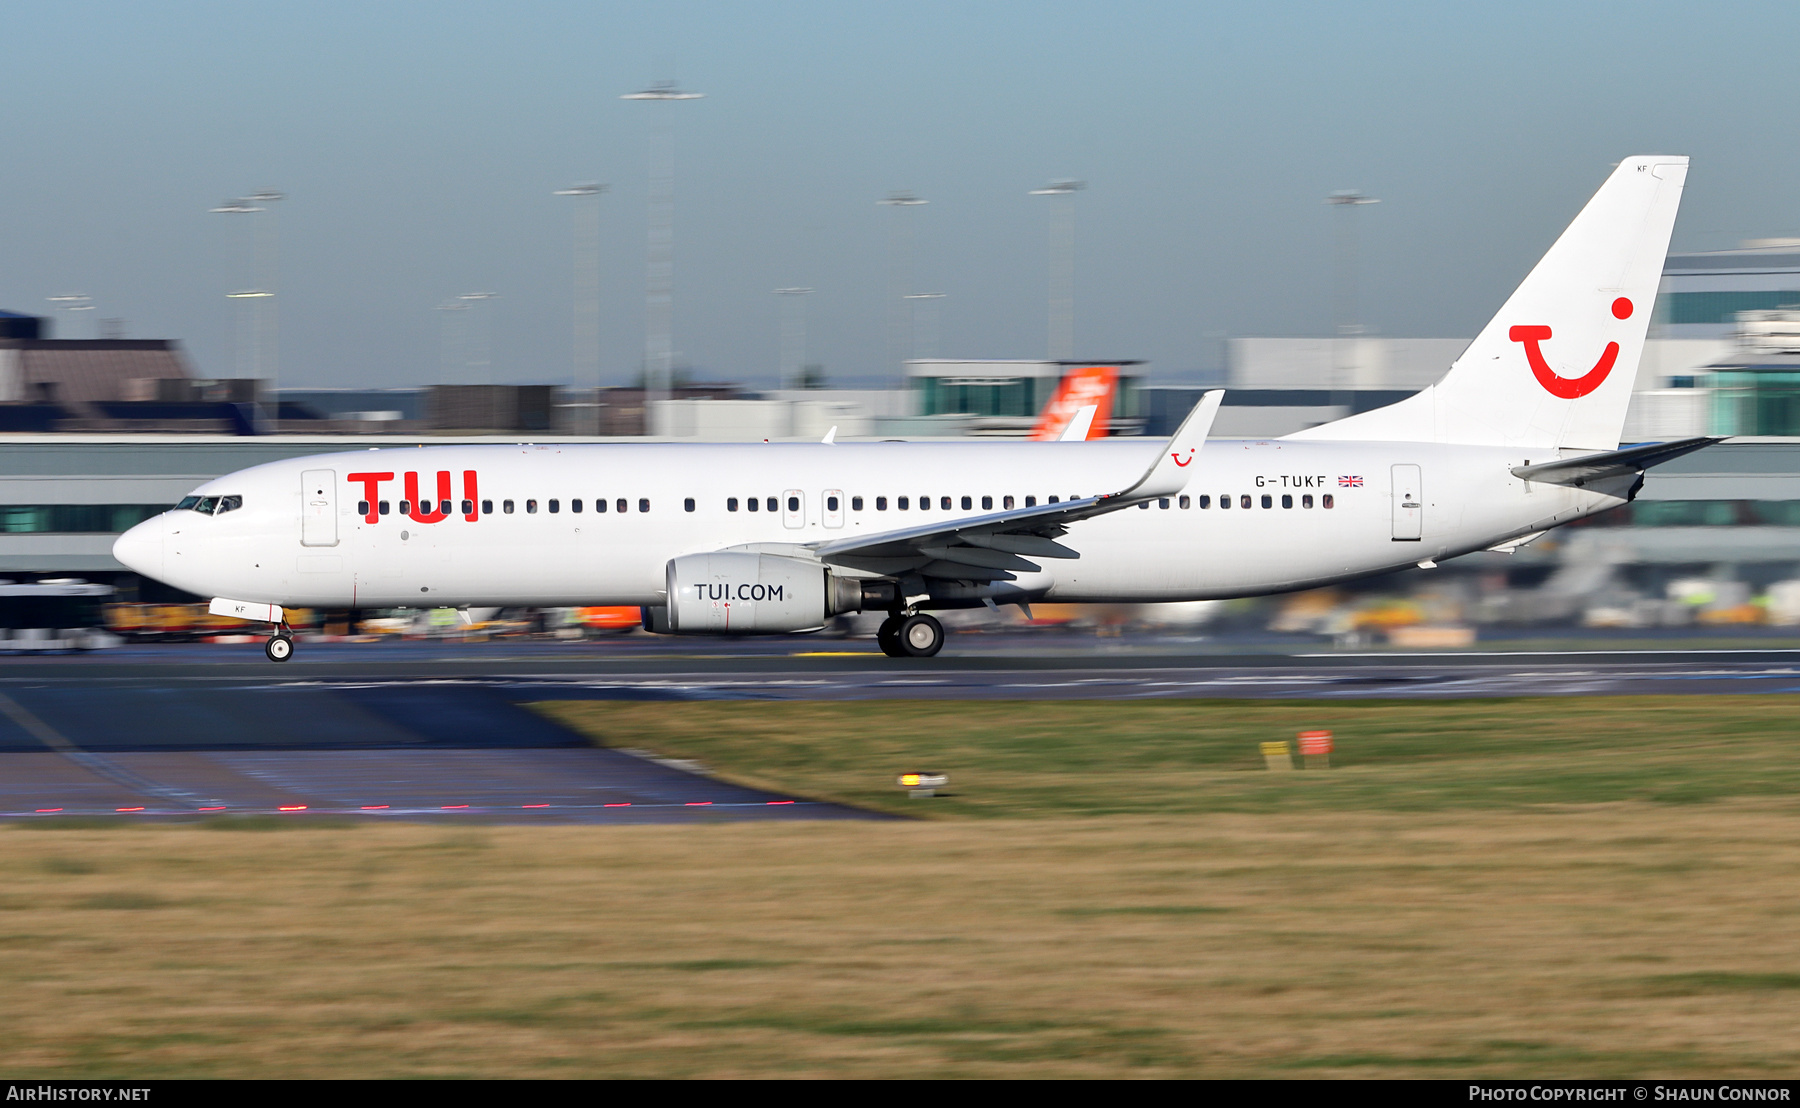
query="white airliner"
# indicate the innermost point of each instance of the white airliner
(1521, 435)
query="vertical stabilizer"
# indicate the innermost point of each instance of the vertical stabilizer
(1555, 367)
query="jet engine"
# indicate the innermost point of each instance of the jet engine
(749, 594)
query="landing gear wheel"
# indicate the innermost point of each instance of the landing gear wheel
(889, 637)
(279, 648)
(920, 636)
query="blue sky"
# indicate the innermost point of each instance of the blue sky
(419, 145)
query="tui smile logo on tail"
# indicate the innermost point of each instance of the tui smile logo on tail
(1569, 388)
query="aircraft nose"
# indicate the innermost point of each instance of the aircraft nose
(141, 548)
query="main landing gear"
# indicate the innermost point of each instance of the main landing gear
(280, 646)
(914, 636)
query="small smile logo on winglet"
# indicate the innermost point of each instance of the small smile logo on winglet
(1183, 462)
(1568, 388)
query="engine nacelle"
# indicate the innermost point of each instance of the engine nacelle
(754, 594)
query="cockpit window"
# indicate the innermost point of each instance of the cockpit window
(206, 504)
(188, 502)
(229, 504)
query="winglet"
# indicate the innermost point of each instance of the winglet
(830, 438)
(1077, 430)
(1174, 466)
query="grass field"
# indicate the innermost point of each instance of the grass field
(1579, 888)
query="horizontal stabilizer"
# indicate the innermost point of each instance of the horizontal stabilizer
(1614, 463)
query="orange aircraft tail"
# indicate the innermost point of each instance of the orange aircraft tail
(1088, 386)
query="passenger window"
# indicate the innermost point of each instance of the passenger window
(506, 506)
(968, 503)
(575, 506)
(622, 505)
(731, 503)
(793, 503)
(406, 507)
(856, 503)
(643, 505)
(1287, 501)
(902, 503)
(1163, 503)
(530, 507)
(600, 506)
(1205, 502)
(881, 503)
(1006, 502)
(362, 507)
(487, 507)
(555, 506)
(443, 507)
(924, 503)
(1268, 501)
(1326, 501)
(1244, 501)
(1185, 503)
(773, 505)
(468, 507)
(831, 503)
(1145, 505)
(688, 504)
(1306, 501)
(1055, 499)
(1031, 502)
(755, 504)
(1225, 501)
(944, 503)
(987, 503)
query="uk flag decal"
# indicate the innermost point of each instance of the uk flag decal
(1349, 482)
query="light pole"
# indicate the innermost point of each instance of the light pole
(72, 302)
(1344, 309)
(659, 307)
(925, 323)
(259, 322)
(586, 367)
(1062, 266)
(480, 334)
(900, 243)
(793, 336)
(453, 359)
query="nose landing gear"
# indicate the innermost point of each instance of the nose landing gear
(280, 646)
(914, 636)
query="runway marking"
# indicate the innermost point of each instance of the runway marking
(93, 763)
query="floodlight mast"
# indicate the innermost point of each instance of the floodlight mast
(1345, 315)
(900, 250)
(793, 337)
(260, 325)
(586, 348)
(659, 313)
(1062, 265)
(72, 302)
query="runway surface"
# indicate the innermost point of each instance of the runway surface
(439, 730)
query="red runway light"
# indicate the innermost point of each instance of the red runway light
(625, 804)
(698, 803)
(447, 807)
(49, 809)
(780, 802)
(220, 808)
(127, 809)
(291, 808)
(534, 805)
(373, 807)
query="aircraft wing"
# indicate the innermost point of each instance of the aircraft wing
(990, 547)
(1612, 463)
